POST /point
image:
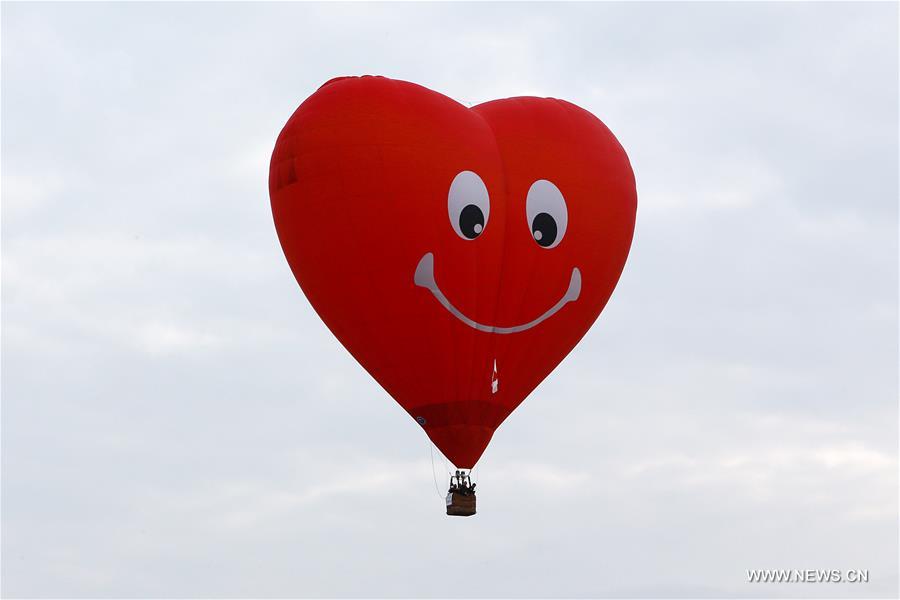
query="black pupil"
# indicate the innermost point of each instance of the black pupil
(471, 221)
(544, 229)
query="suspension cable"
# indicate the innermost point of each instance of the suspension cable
(433, 476)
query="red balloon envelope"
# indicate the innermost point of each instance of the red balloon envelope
(458, 253)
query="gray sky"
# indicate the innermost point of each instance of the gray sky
(178, 422)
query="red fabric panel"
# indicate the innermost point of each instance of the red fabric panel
(359, 184)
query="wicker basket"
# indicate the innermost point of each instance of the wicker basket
(459, 505)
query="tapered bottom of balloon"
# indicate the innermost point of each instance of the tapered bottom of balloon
(461, 496)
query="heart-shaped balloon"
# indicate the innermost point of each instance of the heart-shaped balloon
(458, 253)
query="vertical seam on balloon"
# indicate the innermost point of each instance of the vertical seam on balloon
(399, 95)
(522, 295)
(449, 391)
(504, 246)
(529, 350)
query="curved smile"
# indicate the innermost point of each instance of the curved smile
(424, 277)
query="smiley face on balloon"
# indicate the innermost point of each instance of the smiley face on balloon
(469, 208)
(458, 253)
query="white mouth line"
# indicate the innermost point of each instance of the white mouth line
(424, 277)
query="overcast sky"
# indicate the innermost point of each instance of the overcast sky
(177, 421)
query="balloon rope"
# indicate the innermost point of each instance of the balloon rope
(433, 476)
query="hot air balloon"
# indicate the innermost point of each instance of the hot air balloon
(458, 253)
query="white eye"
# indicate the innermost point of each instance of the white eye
(468, 205)
(545, 209)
